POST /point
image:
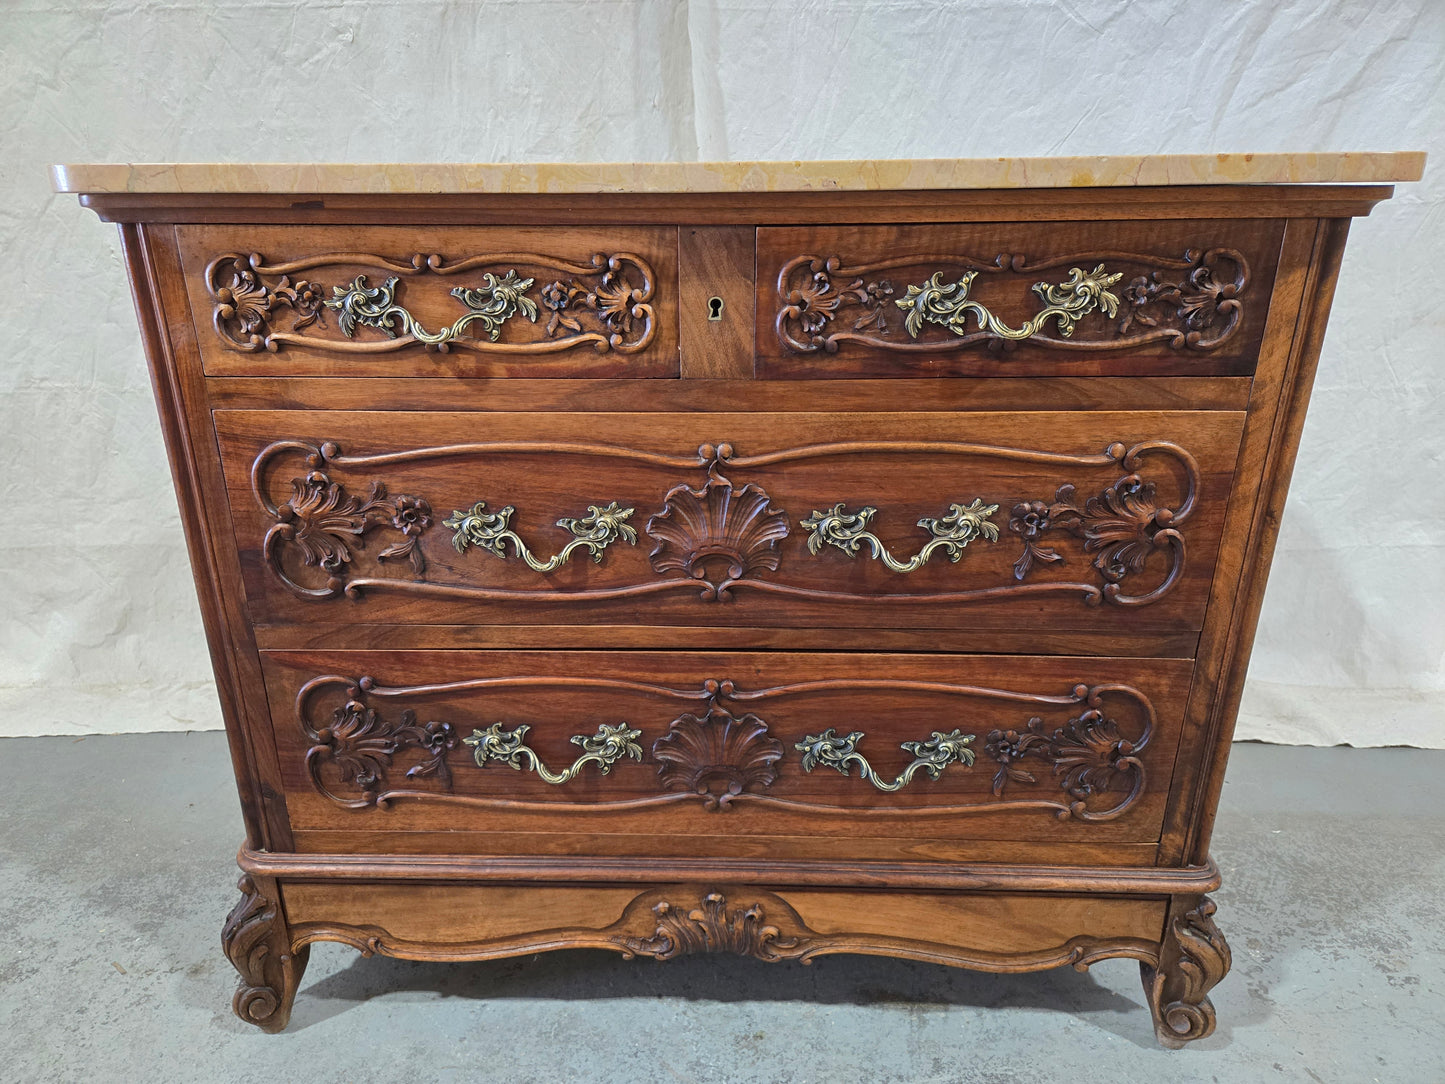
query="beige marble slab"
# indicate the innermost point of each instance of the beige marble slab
(866, 176)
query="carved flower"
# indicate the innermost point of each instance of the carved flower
(1029, 520)
(1140, 292)
(307, 298)
(1008, 747)
(873, 296)
(412, 516)
(436, 740)
(556, 299)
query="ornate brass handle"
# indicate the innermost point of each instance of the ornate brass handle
(949, 304)
(951, 532)
(492, 531)
(605, 748)
(490, 305)
(931, 756)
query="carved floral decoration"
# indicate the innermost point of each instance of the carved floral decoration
(1088, 754)
(326, 523)
(358, 745)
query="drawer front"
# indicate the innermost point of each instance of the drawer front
(1093, 521)
(414, 301)
(818, 747)
(1015, 299)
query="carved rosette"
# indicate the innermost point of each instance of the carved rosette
(717, 756)
(604, 302)
(1193, 302)
(1197, 960)
(717, 534)
(712, 926)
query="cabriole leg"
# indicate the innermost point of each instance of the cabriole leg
(258, 945)
(1192, 960)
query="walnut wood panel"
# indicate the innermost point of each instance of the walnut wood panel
(1135, 298)
(837, 746)
(1094, 521)
(986, 932)
(715, 269)
(469, 302)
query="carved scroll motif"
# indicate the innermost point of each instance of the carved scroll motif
(604, 302)
(1188, 303)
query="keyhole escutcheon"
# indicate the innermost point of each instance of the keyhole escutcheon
(714, 308)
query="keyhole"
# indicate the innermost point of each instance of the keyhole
(714, 308)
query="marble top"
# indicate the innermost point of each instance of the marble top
(859, 176)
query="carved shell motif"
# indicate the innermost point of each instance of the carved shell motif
(716, 534)
(717, 750)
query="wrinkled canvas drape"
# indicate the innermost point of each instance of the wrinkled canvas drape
(100, 630)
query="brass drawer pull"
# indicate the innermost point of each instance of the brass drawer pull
(951, 532)
(931, 756)
(605, 748)
(492, 531)
(491, 305)
(949, 304)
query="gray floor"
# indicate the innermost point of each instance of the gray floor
(116, 870)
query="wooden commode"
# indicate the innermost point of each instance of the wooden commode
(768, 558)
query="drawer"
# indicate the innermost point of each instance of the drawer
(417, 301)
(1098, 521)
(820, 753)
(1015, 299)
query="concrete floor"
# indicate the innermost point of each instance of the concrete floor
(116, 871)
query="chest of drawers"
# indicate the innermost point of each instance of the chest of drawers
(773, 560)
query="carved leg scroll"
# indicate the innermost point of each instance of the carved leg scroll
(1192, 959)
(258, 945)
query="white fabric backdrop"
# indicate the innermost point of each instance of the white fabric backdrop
(100, 631)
